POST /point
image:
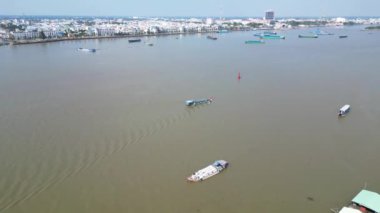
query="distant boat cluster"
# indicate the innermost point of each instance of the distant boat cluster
(267, 35)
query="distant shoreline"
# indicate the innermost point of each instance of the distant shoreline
(39, 41)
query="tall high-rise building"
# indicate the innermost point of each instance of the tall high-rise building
(269, 15)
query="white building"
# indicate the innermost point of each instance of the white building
(209, 21)
(25, 35)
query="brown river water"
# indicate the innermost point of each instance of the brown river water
(109, 131)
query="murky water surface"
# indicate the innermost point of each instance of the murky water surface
(109, 132)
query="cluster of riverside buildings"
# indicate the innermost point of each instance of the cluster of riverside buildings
(33, 28)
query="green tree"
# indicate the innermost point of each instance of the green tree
(42, 35)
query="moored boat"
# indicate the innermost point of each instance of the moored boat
(322, 33)
(266, 33)
(222, 31)
(212, 37)
(208, 171)
(134, 40)
(254, 42)
(86, 50)
(344, 110)
(343, 36)
(198, 102)
(270, 33)
(272, 37)
(307, 36)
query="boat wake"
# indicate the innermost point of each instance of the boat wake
(68, 162)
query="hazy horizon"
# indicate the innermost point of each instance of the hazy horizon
(197, 8)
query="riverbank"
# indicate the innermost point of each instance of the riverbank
(37, 41)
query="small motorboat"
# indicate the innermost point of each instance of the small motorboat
(198, 102)
(308, 36)
(212, 37)
(134, 40)
(344, 110)
(87, 50)
(272, 37)
(343, 36)
(254, 42)
(208, 171)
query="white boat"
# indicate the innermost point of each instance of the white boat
(208, 171)
(197, 102)
(344, 110)
(86, 50)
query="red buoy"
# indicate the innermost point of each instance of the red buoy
(239, 77)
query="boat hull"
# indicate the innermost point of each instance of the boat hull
(87, 50)
(209, 171)
(254, 42)
(212, 38)
(198, 102)
(307, 36)
(134, 40)
(272, 37)
(344, 110)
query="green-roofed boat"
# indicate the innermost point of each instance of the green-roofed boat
(254, 42)
(272, 37)
(364, 201)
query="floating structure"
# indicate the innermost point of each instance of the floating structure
(134, 40)
(150, 44)
(198, 102)
(208, 171)
(254, 42)
(308, 36)
(343, 36)
(86, 50)
(212, 37)
(365, 201)
(344, 110)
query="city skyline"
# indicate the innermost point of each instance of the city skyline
(214, 8)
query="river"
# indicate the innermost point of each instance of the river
(109, 131)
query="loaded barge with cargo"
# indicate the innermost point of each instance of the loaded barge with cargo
(208, 171)
(198, 102)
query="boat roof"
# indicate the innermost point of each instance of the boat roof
(221, 162)
(345, 107)
(368, 199)
(349, 210)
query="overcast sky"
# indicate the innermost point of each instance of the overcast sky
(252, 8)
